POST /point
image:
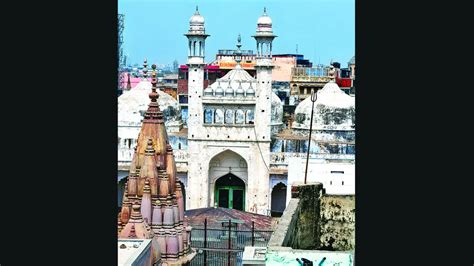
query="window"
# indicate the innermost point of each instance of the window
(219, 116)
(337, 172)
(208, 116)
(249, 117)
(239, 117)
(229, 116)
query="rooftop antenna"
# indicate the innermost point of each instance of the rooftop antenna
(296, 48)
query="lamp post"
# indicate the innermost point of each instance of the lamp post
(314, 96)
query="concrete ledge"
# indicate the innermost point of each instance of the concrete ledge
(280, 236)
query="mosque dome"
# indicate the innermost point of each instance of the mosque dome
(196, 18)
(240, 92)
(264, 23)
(238, 80)
(133, 104)
(250, 91)
(229, 91)
(208, 91)
(333, 110)
(218, 90)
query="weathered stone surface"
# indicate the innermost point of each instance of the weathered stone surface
(337, 222)
(315, 221)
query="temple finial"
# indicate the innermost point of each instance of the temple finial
(265, 10)
(145, 69)
(153, 95)
(238, 53)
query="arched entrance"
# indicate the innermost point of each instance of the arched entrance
(230, 192)
(228, 177)
(278, 199)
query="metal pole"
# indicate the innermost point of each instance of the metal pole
(313, 99)
(253, 233)
(205, 241)
(229, 245)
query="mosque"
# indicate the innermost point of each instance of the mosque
(234, 152)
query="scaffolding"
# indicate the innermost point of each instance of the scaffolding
(121, 60)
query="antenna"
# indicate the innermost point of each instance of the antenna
(296, 48)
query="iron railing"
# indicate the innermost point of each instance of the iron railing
(225, 245)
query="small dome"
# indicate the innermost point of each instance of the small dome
(196, 18)
(219, 91)
(264, 19)
(240, 91)
(229, 91)
(250, 91)
(208, 91)
(264, 23)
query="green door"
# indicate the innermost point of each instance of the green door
(232, 197)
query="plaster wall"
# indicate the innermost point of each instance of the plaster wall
(338, 178)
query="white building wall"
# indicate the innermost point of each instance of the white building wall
(338, 178)
(202, 176)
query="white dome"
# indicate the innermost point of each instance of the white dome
(333, 110)
(264, 20)
(208, 91)
(237, 79)
(240, 91)
(264, 23)
(218, 90)
(133, 104)
(196, 19)
(229, 91)
(250, 91)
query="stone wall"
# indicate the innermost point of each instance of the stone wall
(337, 222)
(313, 221)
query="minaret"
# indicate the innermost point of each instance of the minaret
(196, 52)
(264, 37)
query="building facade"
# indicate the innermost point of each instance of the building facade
(229, 129)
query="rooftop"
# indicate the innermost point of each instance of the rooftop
(216, 215)
(133, 249)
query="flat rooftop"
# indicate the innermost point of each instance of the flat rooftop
(133, 248)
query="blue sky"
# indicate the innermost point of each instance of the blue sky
(323, 29)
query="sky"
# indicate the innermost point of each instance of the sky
(323, 30)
